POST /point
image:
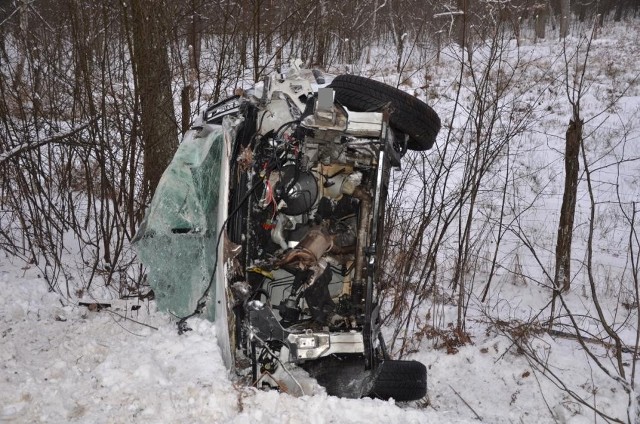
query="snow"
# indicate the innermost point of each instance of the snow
(61, 362)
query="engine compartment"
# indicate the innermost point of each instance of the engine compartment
(308, 219)
(308, 180)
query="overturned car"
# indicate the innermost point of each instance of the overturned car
(269, 221)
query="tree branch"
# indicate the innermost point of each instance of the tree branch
(58, 138)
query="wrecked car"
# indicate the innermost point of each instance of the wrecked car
(269, 221)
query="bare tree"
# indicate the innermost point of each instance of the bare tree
(574, 89)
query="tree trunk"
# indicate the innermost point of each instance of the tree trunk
(400, 49)
(617, 17)
(541, 23)
(194, 39)
(321, 33)
(185, 103)
(256, 17)
(461, 22)
(372, 30)
(565, 14)
(158, 120)
(195, 36)
(562, 279)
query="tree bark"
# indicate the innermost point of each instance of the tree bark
(158, 120)
(565, 14)
(562, 279)
(541, 22)
(322, 35)
(461, 22)
(257, 38)
(195, 36)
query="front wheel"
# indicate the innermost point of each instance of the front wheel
(408, 114)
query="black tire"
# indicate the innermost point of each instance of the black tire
(401, 380)
(408, 114)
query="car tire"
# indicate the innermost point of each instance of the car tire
(400, 380)
(408, 114)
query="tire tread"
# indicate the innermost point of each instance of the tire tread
(408, 114)
(401, 380)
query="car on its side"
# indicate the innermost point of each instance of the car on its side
(303, 180)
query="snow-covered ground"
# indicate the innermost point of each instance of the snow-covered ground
(61, 362)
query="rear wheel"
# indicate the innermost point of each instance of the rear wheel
(408, 114)
(401, 380)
